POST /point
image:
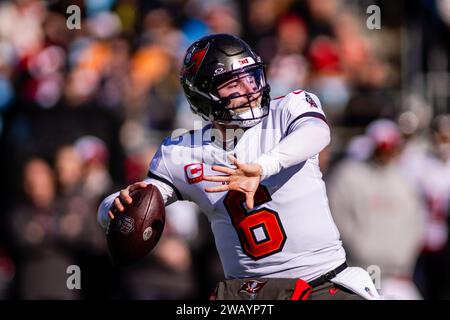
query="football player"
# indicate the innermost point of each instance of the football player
(254, 171)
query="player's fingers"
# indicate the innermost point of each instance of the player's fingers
(111, 215)
(223, 169)
(125, 195)
(217, 189)
(217, 178)
(234, 160)
(118, 204)
(137, 185)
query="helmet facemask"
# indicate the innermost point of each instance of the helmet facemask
(210, 63)
(240, 97)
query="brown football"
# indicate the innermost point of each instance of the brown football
(134, 232)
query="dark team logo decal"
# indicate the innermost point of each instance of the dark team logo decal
(252, 287)
(310, 100)
(193, 60)
(125, 224)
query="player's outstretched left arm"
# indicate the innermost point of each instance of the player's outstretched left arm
(245, 178)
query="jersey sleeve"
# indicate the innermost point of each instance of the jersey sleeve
(306, 139)
(166, 190)
(298, 107)
(160, 175)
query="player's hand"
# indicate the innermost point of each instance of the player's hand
(245, 178)
(124, 198)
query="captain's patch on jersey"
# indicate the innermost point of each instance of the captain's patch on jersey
(194, 172)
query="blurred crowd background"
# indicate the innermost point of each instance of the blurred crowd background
(83, 110)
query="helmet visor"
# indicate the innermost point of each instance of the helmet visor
(240, 94)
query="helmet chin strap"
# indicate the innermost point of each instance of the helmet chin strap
(254, 116)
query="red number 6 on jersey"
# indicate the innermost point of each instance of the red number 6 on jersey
(260, 232)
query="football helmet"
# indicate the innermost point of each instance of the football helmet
(225, 81)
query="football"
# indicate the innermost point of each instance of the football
(134, 232)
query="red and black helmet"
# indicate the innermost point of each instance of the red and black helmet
(214, 60)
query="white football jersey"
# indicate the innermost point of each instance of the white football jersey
(290, 232)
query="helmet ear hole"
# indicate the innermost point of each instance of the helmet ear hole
(224, 102)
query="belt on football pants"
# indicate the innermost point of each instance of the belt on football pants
(328, 276)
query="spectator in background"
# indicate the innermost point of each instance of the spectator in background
(222, 17)
(413, 126)
(378, 212)
(94, 155)
(37, 232)
(77, 175)
(69, 170)
(327, 77)
(289, 68)
(150, 92)
(321, 16)
(431, 174)
(262, 15)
